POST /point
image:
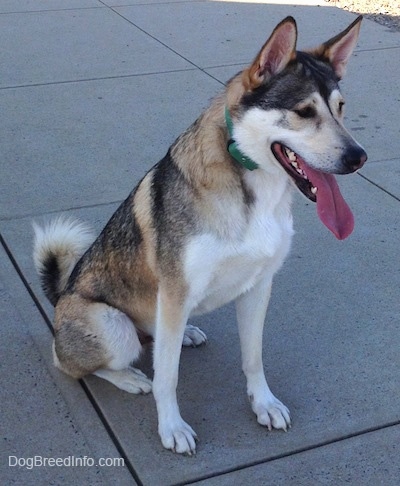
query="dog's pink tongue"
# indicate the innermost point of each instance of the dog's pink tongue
(332, 209)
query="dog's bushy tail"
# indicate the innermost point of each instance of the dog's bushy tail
(57, 248)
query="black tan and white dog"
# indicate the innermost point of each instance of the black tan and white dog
(209, 224)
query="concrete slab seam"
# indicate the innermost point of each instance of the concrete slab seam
(57, 211)
(51, 10)
(82, 383)
(102, 78)
(110, 432)
(379, 187)
(166, 46)
(290, 454)
(25, 283)
(389, 48)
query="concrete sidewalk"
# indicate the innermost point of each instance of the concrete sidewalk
(92, 94)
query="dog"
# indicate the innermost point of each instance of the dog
(208, 224)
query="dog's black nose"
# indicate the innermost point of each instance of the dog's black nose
(354, 158)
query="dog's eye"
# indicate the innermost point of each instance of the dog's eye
(306, 112)
(340, 108)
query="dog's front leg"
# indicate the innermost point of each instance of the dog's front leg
(172, 315)
(251, 309)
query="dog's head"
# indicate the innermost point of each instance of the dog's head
(290, 111)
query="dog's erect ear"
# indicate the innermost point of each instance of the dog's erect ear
(274, 56)
(339, 49)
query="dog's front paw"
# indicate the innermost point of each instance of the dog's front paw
(193, 336)
(271, 413)
(179, 437)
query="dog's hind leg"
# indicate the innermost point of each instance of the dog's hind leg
(123, 347)
(104, 343)
(251, 309)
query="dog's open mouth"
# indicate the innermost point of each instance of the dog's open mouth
(294, 166)
(319, 187)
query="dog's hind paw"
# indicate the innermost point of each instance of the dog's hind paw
(193, 336)
(272, 414)
(179, 438)
(130, 380)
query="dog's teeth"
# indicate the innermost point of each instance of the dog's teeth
(293, 162)
(290, 154)
(314, 190)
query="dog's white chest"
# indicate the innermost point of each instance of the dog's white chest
(220, 269)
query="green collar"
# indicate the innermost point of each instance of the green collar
(233, 148)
